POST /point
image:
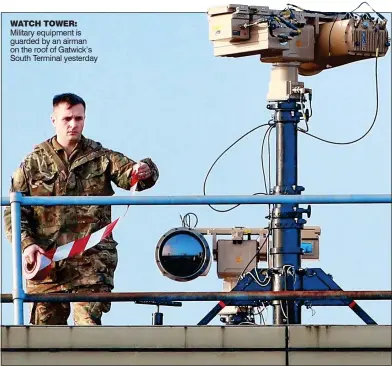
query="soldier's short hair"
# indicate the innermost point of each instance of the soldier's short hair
(69, 98)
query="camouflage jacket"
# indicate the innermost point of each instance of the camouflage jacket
(90, 171)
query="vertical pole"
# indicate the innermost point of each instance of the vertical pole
(18, 293)
(286, 222)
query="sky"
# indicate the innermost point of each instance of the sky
(157, 91)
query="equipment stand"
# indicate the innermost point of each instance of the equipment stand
(286, 220)
(286, 97)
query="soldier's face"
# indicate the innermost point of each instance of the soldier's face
(68, 121)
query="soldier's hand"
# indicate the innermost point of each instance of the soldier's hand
(30, 252)
(142, 170)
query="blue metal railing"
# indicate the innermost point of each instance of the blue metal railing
(201, 200)
(16, 200)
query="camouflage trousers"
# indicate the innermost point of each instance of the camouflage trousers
(84, 313)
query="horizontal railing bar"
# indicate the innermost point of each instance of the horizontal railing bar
(200, 200)
(204, 296)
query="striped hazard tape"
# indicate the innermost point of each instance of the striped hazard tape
(41, 267)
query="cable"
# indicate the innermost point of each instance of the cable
(268, 277)
(284, 314)
(208, 173)
(313, 11)
(260, 313)
(375, 115)
(262, 317)
(258, 251)
(286, 270)
(258, 280)
(292, 273)
(269, 160)
(329, 36)
(262, 157)
(285, 301)
(186, 220)
(364, 2)
(310, 307)
(238, 204)
(269, 167)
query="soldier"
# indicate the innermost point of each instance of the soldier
(69, 164)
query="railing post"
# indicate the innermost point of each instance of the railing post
(18, 293)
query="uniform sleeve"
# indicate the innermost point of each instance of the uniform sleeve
(121, 168)
(19, 184)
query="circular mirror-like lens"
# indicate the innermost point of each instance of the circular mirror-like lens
(182, 255)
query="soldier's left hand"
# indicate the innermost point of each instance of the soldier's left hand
(142, 171)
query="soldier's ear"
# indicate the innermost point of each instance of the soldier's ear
(52, 118)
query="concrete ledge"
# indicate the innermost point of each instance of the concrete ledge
(106, 337)
(340, 336)
(340, 358)
(194, 345)
(145, 358)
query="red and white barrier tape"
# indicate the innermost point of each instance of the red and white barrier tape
(41, 267)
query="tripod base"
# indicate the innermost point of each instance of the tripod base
(310, 279)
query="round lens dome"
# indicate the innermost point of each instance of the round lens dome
(182, 254)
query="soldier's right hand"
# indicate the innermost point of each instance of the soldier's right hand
(30, 252)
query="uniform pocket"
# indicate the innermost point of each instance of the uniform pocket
(43, 183)
(93, 176)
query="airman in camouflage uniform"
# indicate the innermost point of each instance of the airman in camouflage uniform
(86, 169)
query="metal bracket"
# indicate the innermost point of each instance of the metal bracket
(287, 189)
(291, 225)
(278, 214)
(237, 235)
(284, 251)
